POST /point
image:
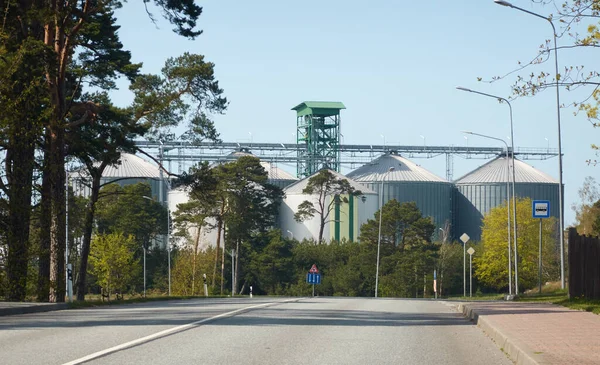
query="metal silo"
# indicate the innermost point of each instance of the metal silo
(344, 221)
(485, 188)
(131, 169)
(277, 176)
(409, 182)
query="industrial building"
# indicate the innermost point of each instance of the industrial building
(477, 192)
(344, 220)
(408, 182)
(456, 207)
(130, 170)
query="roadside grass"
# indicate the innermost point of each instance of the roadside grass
(478, 297)
(552, 294)
(96, 301)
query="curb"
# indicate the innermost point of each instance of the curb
(35, 308)
(514, 349)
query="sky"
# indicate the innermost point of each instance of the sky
(394, 64)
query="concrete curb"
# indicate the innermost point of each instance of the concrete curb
(33, 308)
(515, 350)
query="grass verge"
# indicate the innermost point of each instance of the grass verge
(561, 297)
(93, 302)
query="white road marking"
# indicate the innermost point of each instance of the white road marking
(170, 331)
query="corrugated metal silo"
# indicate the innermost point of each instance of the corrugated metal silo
(346, 219)
(277, 176)
(409, 182)
(131, 170)
(485, 188)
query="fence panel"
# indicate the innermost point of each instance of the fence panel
(584, 266)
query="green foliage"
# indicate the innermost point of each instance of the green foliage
(113, 263)
(575, 23)
(491, 262)
(587, 212)
(329, 191)
(187, 270)
(186, 90)
(270, 267)
(235, 195)
(126, 210)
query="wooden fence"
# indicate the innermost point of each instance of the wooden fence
(584, 266)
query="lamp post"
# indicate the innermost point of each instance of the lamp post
(507, 202)
(169, 244)
(560, 168)
(144, 247)
(291, 233)
(444, 235)
(514, 197)
(379, 235)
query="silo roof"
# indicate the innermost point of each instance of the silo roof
(495, 171)
(297, 187)
(130, 166)
(404, 170)
(274, 172)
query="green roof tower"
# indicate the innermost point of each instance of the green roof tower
(318, 129)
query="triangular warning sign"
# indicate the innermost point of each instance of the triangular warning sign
(313, 269)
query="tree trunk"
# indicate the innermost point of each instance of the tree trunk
(19, 174)
(43, 288)
(195, 259)
(223, 263)
(237, 265)
(87, 236)
(321, 229)
(219, 226)
(57, 216)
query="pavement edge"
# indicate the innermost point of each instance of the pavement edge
(33, 309)
(516, 350)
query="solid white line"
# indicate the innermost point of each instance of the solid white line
(154, 336)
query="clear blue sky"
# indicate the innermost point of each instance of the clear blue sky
(394, 64)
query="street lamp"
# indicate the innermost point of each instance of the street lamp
(507, 202)
(379, 235)
(291, 233)
(514, 197)
(560, 169)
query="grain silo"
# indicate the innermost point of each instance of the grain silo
(277, 176)
(344, 221)
(131, 169)
(409, 182)
(484, 188)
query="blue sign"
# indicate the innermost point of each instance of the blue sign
(541, 209)
(313, 278)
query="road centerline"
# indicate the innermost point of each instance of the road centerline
(172, 331)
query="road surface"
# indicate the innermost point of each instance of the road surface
(250, 331)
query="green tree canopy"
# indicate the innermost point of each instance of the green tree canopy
(113, 263)
(329, 190)
(491, 265)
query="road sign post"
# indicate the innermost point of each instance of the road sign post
(465, 238)
(470, 251)
(435, 283)
(313, 277)
(540, 209)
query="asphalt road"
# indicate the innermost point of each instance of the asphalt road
(250, 331)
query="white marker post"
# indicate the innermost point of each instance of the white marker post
(435, 283)
(465, 238)
(205, 286)
(470, 251)
(70, 281)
